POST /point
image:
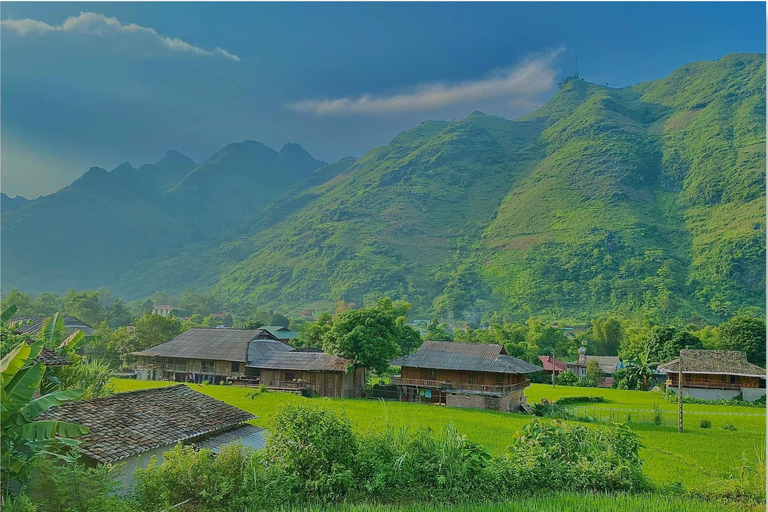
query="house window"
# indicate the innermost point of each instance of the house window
(235, 366)
(431, 374)
(472, 379)
(499, 379)
(290, 376)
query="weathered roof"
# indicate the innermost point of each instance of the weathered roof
(260, 347)
(162, 306)
(208, 344)
(306, 361)
(281, 332)
(30, 324)
(474, 357)
(134, 422)
(51, 358)
(609, 364)
(725, 362)
(547, 362)
(250, 436)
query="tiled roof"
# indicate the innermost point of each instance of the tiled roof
(51, 358)
(475, 357)
(306, 361)
(208, 344)
(547, 362)
(249, 436)
(609, 364)
(134, 422)
(726, 362)
(27, 324)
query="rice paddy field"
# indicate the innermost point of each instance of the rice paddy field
(704, 460)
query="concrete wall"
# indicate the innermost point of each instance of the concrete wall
(477, 402)
(709, 394)
(752, 394)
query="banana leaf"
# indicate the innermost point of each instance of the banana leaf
(7, 314)
(14, 361)
(42, 404)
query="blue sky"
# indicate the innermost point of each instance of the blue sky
(87, 84)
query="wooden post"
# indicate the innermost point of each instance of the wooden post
(680, 392)
(553, 367)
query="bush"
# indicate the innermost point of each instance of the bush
(560, 457)
(566, 378)
(705, 424)
(730, 426)
(568, 400)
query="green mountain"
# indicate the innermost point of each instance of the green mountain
(646, 200)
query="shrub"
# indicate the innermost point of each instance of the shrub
(657, 417)
(729, 426)
(566, 378)
(559, 456)
(568, 400)
(705, 424)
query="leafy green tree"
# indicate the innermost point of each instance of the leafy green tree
(84, 305)
(608, 334)
(212, 321)
(566, 378)
(278, 319)
(746, 334)
(407, 337)
(594, 372)
(367, 337)
(665, 343)
(640, 370)
(151, 330)
(196, 302)
(437, 332)
(47, 304)
(22, 301)
(24, 439)
(118, 314)
(311, 333)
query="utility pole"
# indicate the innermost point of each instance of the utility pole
(553, 367)
(680, 392)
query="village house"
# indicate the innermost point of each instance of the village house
(551, 365)
(28, 324)
(248, 357)
(129, 428)
(198, 355)
(474, 375)
(716, 375)
(609, 365)
(316, 372)
(162, 309)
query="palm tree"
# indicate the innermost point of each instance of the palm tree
(640, 370)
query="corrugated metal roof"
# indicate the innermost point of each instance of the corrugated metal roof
(250, 436)
(281, 332)
(134, 422)
(474, 357)
(209, 344)
(609, 364)
(725, 362)
(306, 361)
(29, 324)
(259, 348)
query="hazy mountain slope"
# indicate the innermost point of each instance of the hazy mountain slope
(114, 229)
(86, 232)
(648, 199)
(167, 172)
(11, 203)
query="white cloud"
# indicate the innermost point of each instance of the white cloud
(519, 84)
(98, 25)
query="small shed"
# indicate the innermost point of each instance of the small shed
(133, 426)
(322, 374)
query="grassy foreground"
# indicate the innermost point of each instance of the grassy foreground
(705, 460)
(559, 502)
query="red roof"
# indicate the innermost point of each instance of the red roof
(560, 366)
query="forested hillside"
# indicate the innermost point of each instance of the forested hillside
(645, 200)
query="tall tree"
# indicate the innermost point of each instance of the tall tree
(608, 334)
(746, 334)
(84, 305)
(367, 337)
(665, 343)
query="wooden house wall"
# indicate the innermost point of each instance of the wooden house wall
(331, 384)
(456, 377)
(714, 380)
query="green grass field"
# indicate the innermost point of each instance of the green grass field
(559, 503)
(704, 460)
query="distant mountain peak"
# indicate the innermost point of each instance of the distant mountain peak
(124, 167)
(173, 157)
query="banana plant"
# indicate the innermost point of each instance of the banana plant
(23, 437)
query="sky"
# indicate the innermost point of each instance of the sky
(99, 84)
